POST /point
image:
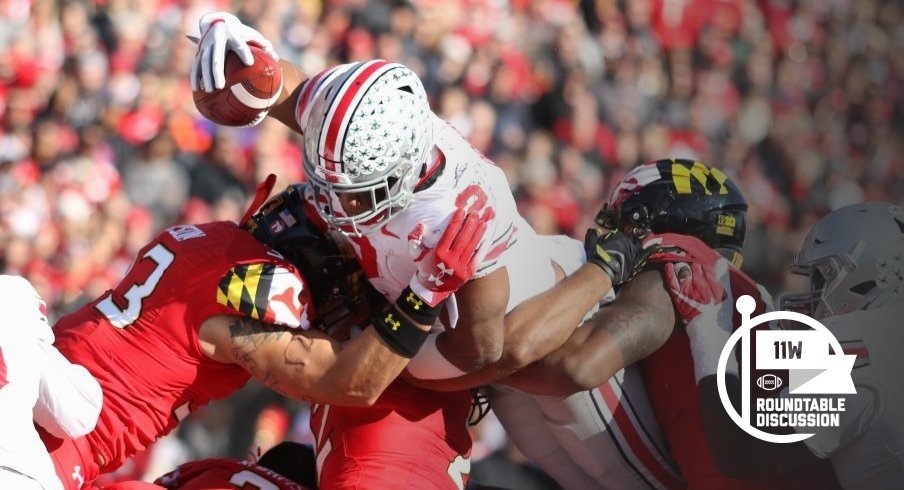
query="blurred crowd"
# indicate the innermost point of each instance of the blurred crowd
(101, 147)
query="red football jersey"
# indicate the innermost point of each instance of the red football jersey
(140, 340)
(411, 438)
(669, 377)
(225, 474)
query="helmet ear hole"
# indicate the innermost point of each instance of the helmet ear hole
(863, 288)
(899, 223)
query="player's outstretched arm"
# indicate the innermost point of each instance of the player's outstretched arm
(221, 32)
(305, 364)
(544, 322)
(629, 329)
(533, 328)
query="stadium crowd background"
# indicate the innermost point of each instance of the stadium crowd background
(101, 147)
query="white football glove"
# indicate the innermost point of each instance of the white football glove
(222, 32)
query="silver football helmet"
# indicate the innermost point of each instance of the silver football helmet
(367, 139)
(854, 258)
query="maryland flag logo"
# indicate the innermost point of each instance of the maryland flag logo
(266, 292)
(710, 179)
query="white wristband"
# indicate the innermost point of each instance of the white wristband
(430, 363)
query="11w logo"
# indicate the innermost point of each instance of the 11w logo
(787, 350)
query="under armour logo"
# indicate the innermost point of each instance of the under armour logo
(443, 272)
(77, 475)
(392, 323)
(415, 302)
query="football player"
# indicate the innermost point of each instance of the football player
(390, 176)
(286, 466)
(700, 215)
(36, 382)
(203, 309)
(853, 258)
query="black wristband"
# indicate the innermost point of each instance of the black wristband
(401, 334)
(416, 308)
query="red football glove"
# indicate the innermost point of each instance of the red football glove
(693, 289)
(702, 297)
(452, 263)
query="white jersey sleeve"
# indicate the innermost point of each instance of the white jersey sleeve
(23, 335)
(69, 398)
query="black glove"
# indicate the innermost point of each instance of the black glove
(619, 255)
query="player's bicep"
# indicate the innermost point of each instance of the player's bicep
(638, 322)
(641, 318)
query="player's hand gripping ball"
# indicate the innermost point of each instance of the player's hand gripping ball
(249, 93)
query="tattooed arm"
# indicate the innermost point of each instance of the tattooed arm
(632, 327)
(304, 365)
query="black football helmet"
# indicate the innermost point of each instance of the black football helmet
(680, 196)
(342, 296)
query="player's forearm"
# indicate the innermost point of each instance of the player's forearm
(536, 327)
(307, 365)
(586, 360)
(632, 327)
(284, 110)
(477, 339)
(363, 369)
(544, 322)
(472, 349)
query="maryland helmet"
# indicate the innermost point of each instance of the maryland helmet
(341, 294)
(680, 196)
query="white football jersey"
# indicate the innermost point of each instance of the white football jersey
(574, 442)
(467, 179)
(37, 384)
(867, 450)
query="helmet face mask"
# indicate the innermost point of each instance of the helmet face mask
(854, 259)
(376, 202)
(825, 275)
(367, 140)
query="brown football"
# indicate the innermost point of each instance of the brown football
(249, 90)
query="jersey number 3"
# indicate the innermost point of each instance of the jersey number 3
(121, 318)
